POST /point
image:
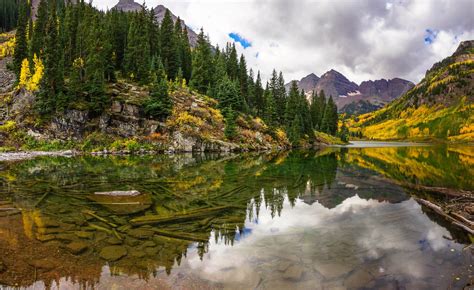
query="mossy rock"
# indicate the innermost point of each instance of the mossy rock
(113, 253)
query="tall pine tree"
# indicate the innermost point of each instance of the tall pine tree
(169, 46)
(202, 68)
(21, 44)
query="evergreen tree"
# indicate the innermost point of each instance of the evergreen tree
(294, 130)
(179, 48)
(251, 91)
(243, 79)
(160, 104)
(277, 87)
(232, 62)
(52, 81)
(186, 57)
(137, 55)
(322, 108)
(315, 110)
(258, 94)
(96, 65)
(270, 115)
(202, 73)
(37, 39)
(8, 15)
(344, 133)
(230, 130)
(169, 47)
(304, 111)
(220, 72)
(228, 95)
(21, 45)
(293, 103)
(330, 119)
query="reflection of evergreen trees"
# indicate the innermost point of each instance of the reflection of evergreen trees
(177, 185)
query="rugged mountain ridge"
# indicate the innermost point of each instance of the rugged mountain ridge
(352, 98)
(440, 107)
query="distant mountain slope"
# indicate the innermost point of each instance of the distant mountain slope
(160, 10)
(441, 106)
(351, 98)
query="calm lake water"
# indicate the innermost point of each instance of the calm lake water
(339, 218)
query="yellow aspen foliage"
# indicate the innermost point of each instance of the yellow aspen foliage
(7, 48)
(25, 74)
(28, 81)
(36, 77)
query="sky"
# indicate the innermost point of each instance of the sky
(362, 39)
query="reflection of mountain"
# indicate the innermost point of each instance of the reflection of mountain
(440, 166)
(206, 196)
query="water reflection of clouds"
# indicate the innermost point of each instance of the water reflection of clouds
(368, 230)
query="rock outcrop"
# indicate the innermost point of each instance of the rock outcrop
(196, 125)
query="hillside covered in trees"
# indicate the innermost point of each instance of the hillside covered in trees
(81, 71)
(440, 107)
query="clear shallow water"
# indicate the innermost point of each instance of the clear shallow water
(335, 219)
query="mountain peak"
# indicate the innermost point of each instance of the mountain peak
(128, 6)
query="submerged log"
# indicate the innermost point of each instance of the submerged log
(181, 236)
(158, 219)
(451, 192)
(455, 221)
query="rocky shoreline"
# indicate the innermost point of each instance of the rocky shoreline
(23, 155)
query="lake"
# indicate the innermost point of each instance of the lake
(338, 218)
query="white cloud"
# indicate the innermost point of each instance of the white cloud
(361, 39)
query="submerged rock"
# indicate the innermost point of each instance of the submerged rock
(358, 279)
(77, 248)
(119, 193)
(113, 253)
(3, 267)
(333, 270)
(46, 264)
(84, 234)
(294, 272)
(114, 241)
(140, 233)
(123, 202)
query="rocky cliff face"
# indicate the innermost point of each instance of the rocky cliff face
(352, 98)
(386, 90)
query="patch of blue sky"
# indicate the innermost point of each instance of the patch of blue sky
(430, 35)
(240, 39)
